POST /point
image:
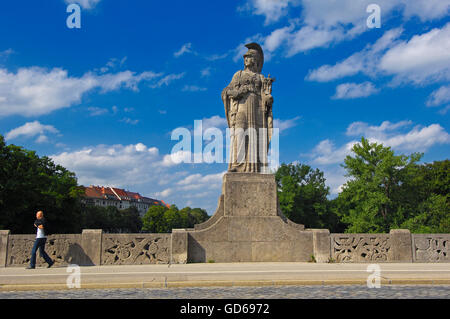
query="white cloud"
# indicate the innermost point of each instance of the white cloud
(193, 88)
(186, 48)
(440, 96)
(112, 64)
(129, 121)
(196, 190)
(277, 37)
(424, 58)
(206, 72)
(31, 129)
(197, 180)
(214, 121)
(177, 158)
(6, 53)
(444, 110)
(164, 194)
(326, 153)
(283, 125)
(113, 81)
(85, 4)
(324, 22)
(335, 178)
(365, 61)
(165, 81)
(273, 10)
(97, 111)
(36, 91)
(419, 139)
(426, 9)
(111, 165)
(363, 129)
(42, 139)
(353, 13)
(354, 90)
(215, 57)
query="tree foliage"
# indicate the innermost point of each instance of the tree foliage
(29, 183)
(387, 191)
(160, 219)
(302, 195)
(111, 220)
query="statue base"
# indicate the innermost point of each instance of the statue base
(248, 226)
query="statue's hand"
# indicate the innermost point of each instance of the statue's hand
(268, 100)
(233, 93)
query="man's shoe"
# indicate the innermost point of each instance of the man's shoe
(49, 265)
(29, 267)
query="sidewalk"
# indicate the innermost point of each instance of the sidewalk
(225, 274)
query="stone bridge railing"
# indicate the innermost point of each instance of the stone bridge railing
(397, 246)
(93, 247)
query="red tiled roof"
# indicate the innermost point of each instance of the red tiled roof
(92, 192)
(167, 205)
(108, 192)
(133, 195)
(120, 192)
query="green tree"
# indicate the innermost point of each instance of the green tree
(199, 216)
(302, 195)
(153, 221)
(371, 201)
(111, 220)
(433, 216)
(172, 219)
(160, 219)
(426, 206)
(29, 183)
(94, 217)
(131, 220)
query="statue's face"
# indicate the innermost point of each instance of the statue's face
(250, 61)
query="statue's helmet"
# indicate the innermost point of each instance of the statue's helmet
(255, 50)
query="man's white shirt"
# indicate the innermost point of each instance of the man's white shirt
(40, 233)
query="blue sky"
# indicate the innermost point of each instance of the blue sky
(103, 100)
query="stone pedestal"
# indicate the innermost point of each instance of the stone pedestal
(401, 248)
(179, 247)
(91, 241)
(249, 226)
(4, 234)
(321, 244)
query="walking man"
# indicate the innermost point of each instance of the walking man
(41, 238)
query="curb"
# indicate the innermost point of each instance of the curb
(255, 283)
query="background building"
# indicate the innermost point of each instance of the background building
(120, 198)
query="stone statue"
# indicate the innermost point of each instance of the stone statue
(248, 108)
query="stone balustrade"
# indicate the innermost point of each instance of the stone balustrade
(93, 247)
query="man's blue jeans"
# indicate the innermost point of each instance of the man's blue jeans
(39, 244)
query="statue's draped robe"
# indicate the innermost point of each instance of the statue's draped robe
(245, 116)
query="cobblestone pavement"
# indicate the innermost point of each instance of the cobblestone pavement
(274, 292)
